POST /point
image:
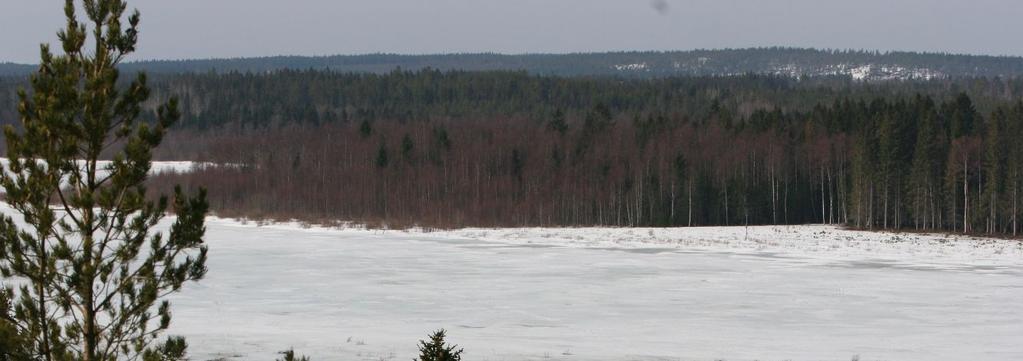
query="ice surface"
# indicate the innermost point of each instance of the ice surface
(765, 293)
(812, 243)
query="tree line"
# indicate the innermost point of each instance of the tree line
(536, 150)
(886, 163)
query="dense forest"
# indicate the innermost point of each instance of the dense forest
(456, 148)
(289, 97)
(452, 149)
(867, 65)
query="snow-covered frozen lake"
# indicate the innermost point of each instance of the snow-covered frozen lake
(765, 293)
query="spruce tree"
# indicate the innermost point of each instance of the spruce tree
(994, 159)
(557, 123)
(438, 350)
(365, 129)
(289, 355)
(407, 146)
(95, 270)
(924, 173)
(382, 159)
(962, 117)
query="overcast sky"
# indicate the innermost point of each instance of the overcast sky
(176, 29)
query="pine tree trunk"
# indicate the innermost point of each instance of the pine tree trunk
(870, 209)
(885, 221)
(785, 201)
(992, 214)
(831, 197)
(690, 202)
(823, 219)
(966, 197)
(774, 199)
(672, 216)
(980, 193)
(47, 353)
(726, 204)
(898, 211)
(90, 333)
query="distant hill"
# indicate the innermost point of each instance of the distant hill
(860, 65)
(11, 69)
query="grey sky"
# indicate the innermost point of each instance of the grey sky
(175, 29)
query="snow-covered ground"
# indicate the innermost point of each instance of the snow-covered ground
(157, 168)
(812, 243)
(763, 293)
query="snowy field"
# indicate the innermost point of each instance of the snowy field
(760, 293)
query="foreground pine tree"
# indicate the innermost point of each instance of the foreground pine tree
(93, 273)
(437, 350)
(12, 345)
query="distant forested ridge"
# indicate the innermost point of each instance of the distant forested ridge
(15, 70)
(211, 101)
(796, 62)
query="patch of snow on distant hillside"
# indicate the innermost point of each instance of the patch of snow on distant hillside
(632, 67)
(861, 72)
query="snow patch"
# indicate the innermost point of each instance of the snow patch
(861, 72)
(632, 67)
(158, 167)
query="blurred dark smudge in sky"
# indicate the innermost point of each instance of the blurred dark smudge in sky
(661, 6)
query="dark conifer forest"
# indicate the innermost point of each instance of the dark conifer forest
(453, 149)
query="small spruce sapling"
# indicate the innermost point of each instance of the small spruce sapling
(437, 350)
(289, 355)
